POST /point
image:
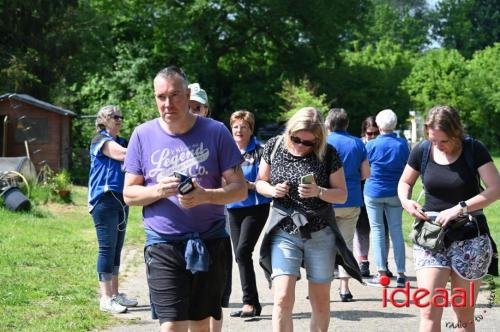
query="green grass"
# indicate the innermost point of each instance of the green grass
(47, 267)
(492, 213)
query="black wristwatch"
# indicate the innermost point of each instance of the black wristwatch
(464, 207)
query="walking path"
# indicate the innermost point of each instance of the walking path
(366, 313)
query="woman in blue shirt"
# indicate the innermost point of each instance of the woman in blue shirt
(247, 218)
(387, 155)
(109, 212)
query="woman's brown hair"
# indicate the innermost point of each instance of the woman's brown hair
(245, 116)
(446, 119)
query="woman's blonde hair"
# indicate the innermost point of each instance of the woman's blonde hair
(245, 116)
(103, 116)
(308, 119)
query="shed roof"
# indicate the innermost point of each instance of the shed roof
(38, 103)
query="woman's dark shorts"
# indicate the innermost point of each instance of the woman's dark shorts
(176, 293)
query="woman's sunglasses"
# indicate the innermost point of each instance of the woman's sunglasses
(297, 140)
(197, 109)
(372, 133)
(117, 117)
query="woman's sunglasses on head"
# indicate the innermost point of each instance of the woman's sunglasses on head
(304, 142)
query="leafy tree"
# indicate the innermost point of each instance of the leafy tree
(129, 86)
(241, 52)
(301, 95)
(482, 104)
(45, 43)
(437, 79)
(403, 22)
(467, 25)
(369, 80)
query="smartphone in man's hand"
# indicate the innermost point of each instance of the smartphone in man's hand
(186, 185)
(181, 176)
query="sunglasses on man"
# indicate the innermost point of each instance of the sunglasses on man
(304, 142)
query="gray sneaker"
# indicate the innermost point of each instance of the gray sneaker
(375, 281)
(110, 305)
(122, 299)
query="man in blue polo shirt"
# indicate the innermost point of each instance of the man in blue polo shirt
(356, 168)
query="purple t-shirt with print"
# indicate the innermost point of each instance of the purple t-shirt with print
(204, 153)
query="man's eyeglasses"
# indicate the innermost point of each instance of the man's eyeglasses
(304, 142)
(372, 133)
(117, 117)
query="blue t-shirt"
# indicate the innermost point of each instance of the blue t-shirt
(353, 152)
(387, 156)
(203, 153)
(250, 167)
(106, 174)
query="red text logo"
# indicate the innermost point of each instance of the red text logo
(458, 297)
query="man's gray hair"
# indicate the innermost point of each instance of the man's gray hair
(337, 119)
(173, 71)
(386, 120)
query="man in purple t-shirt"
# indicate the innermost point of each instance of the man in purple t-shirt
(184, 253)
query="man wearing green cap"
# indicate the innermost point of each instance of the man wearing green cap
(198, 105)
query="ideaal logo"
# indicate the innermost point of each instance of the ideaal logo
(440, 298)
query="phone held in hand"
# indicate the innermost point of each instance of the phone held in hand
(307, 179)
(186, 185)
(181, 176)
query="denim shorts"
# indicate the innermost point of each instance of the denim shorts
(318, 253)
(470, 259)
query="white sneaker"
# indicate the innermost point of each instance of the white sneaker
(122, 299)
(110, 305)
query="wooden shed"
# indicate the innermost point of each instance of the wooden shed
(35, 128)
